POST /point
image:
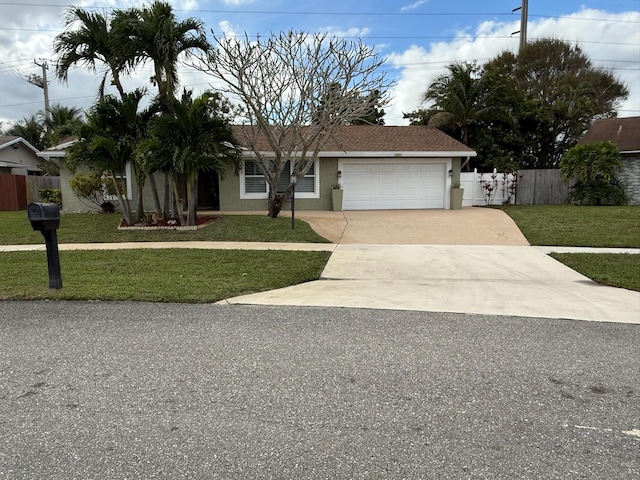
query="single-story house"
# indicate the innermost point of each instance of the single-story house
(18, 157)
(625, 134)
(378, 167)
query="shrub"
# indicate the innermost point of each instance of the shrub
(595, 168)
(88, 187)
(51, 195)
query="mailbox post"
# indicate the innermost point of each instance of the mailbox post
(45, 217)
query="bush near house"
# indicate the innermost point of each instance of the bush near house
(51, 195)
(595, 168)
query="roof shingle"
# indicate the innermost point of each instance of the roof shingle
(376, 138)
(624, 132)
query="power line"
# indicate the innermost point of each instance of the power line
(334, 13)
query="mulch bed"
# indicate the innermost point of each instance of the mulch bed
(168, 224)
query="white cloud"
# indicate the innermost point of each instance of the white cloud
(611, 42)
(354, 32)
(236, 2)
(413, 5)
(227, 29)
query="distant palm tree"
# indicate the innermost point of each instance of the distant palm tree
(460, 99)
(60, 122)
(29, 128)
(92, 43)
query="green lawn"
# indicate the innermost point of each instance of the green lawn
(166, 275)
(571, 226)
(15, 229)
(615, 269)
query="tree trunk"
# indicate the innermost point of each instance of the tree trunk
(156, 199)
(192, 198)
(124, 202)
(179, 203)
(139, 205)
(275, 204)
(166, 209)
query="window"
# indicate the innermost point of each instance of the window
(254, 185)
(254, 181)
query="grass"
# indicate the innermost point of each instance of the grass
(572, 226)
(166, 275)
(614, 269)
(15, 229)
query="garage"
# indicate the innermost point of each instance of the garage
(389, 184)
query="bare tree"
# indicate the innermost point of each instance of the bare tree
(297, 89)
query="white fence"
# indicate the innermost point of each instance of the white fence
(482, 189)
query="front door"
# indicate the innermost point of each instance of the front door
(208, 191)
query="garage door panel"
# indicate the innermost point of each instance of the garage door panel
(393, 185)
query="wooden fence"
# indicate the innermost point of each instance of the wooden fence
(13, 192)
(17, 191)
(542, 187)
(34, 184)
(534, 187)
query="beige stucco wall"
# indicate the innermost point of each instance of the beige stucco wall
(230, 192)
(21, 155)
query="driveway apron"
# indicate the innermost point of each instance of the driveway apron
(470, 261)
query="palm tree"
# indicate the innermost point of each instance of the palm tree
(460, 99)
(60, 122)
(196, 135)
(29, 128)
(157, 36)
(93, 43)
(110, 139)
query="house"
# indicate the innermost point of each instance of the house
(18, 157)
(378, 167)
(625, 134)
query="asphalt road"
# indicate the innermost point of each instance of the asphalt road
(96, 390)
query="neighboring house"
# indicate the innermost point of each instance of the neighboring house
(18, 157)
(379, 167)
(625, 134)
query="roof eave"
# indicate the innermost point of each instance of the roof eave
(20, 140)
(383, 154)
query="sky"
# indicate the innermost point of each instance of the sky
(418, 39)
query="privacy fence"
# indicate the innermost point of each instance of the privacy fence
(17, 191)
(525, 187)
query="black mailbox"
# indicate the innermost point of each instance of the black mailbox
(44, 216)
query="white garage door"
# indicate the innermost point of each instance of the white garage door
(384, 186)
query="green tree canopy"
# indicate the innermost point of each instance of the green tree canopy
(525, 109)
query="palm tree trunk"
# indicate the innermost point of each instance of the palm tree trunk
(166, 208)
(192, 198)
(180, 206)
(154, 191)
(124, 203)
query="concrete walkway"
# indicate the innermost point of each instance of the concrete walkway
(471, 261)
(482, 279)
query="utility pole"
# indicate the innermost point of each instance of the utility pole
(41, 81)
(524, 15)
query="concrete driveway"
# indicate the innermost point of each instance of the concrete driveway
(470, 261)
